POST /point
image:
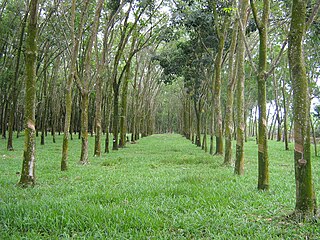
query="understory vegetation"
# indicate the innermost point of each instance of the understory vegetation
(159, 188)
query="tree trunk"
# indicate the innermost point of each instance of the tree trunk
(263, 159)
(124, 97)
(98, 127)
(217, 84)
(84, 85)
(68, 89)
(230, 99)
(84, 127)
(305, 195)
(198, 120)
(44, 101)
(28, 165)
(115, 123)
(4, 119)
(285, 115)
(239, 164)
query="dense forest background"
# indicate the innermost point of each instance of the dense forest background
(121, 70)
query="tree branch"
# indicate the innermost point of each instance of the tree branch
(313, 15)
(246, 44)
(276, 62)
(255, 14)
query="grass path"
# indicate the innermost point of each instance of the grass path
(160, 188)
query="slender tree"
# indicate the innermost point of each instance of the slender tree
(230, 97)
(84, 86)
(28, 165)
(239, 165)
(221, 34)
(262, 25)
(68, 89)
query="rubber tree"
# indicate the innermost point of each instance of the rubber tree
(263, 159)
(239, 164)
(83, 83)
(102, 69)
(230, 97)
(29, 158)
(221, 30)
(305, 194)
(127, 31)
(74, 50)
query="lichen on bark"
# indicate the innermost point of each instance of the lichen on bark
(28, 165)
(305, 195)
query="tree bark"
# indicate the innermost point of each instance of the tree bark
(305, 195)
(124, 97)
(263, 159)
(239, 164)
(115, 123)
(217, 82)
(230, 98)
(84, 85)
(29, 159)
(69, 84)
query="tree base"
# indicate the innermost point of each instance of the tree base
(301, 216)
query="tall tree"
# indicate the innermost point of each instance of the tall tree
(262, 25)
(230, 97)
(221, 35)
(28, 165)
(72, 73)
(239, 165)
(84, 86)
(305, 195)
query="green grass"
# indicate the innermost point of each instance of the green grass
(163, 187)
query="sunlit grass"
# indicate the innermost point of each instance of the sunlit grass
(163, 187)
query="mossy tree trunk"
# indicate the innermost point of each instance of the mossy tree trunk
(124, 97)
(305, 195)
(230, 98)
(134, 104)
(98, 117)
(239, 164)
(84, 127)
(68, 89)
(115, 120)
(263, 159)
(221, 33)
(28, 165)
(84, 84)
(107, 42)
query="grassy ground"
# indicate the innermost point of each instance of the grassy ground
(160, 188)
